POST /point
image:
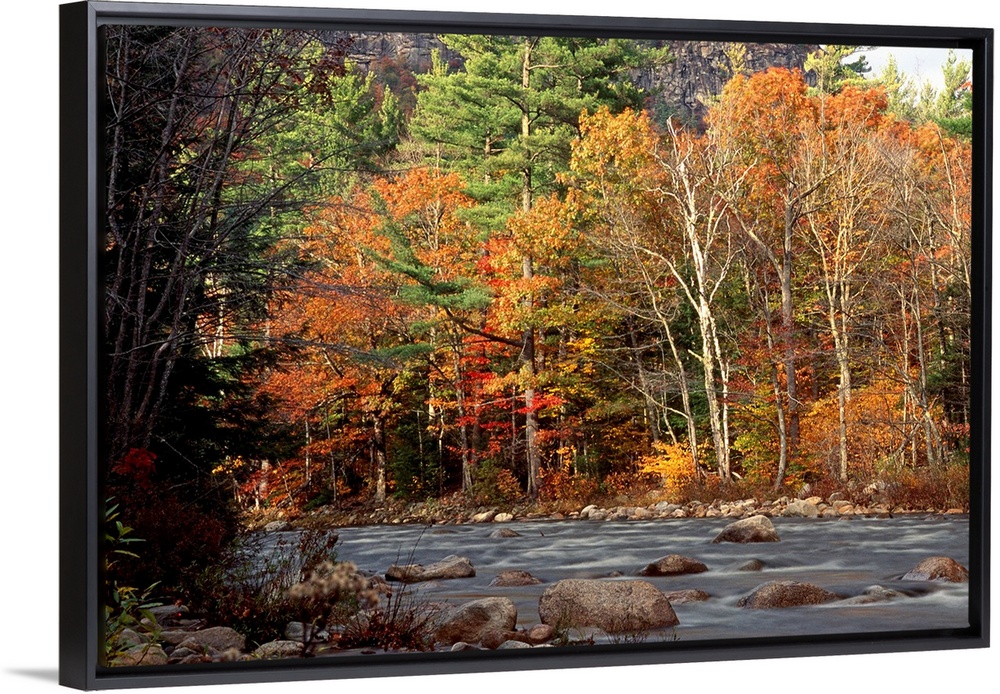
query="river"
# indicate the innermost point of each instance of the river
(844, 556)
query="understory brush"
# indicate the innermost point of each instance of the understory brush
(248, 588)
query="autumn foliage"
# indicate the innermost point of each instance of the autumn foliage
(562, 304)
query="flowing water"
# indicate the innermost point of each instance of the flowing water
(842, 556)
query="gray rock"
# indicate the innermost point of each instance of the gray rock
(506, 579)
(938, 569)
(129, 638)
(449, 567)
(219, 638)
(640, 513)
(874, 594)
(181, 653)
(484, 517)
(163, 613)
(463, 646)
(195, 646)
(752, 565)
(801, 509)
(174, 637)
(673, 565)
(540, 633)
(511, 643)
(753, 529)
(274, 650)
(471, 621)
(277, 526)
(779, 594)
(503, 518)
(613, 606)
(504, 532)
(598, 514)
(148, 654)
(194, 658)
(587, 510)
(679, 597)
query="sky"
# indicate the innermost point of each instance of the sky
(920, 64)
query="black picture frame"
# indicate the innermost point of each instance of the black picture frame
(80, 401)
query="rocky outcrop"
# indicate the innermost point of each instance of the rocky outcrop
(779, 594)
(752, 529)
(449, 567)
(612, 606)
(700, 69)
(673, 565)
(938, 569)
(471, 622)
(685, 84)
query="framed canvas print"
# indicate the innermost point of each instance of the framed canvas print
(422, 342)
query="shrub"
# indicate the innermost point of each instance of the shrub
(399, 622)
(938, 487)
(126, 607)
(330, 594)
(248, 589)
(180, 535)
(560, 485)
(494, 484)
(673, 464)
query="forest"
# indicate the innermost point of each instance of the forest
(517, 273)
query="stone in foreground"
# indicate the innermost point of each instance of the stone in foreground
(752, 529)
(449, 567)
(673, 565)
(472, 621)
(277, 650)
(778, 594)
(149, 654)
(938, 569)
(612, 606)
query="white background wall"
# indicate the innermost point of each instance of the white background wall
(29, 379)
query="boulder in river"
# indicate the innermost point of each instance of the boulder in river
(679, 597)
(612, 606)
(673, 565)
(514, 578)
(778, 594)
(753, 529)
(449, 567)
(505, 532)
(874, 594)
(751, 565)
(938, 569)
(472, 621)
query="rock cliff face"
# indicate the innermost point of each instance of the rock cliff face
(700, 70)
(684, 86)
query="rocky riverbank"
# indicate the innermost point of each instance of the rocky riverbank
(456, 510)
